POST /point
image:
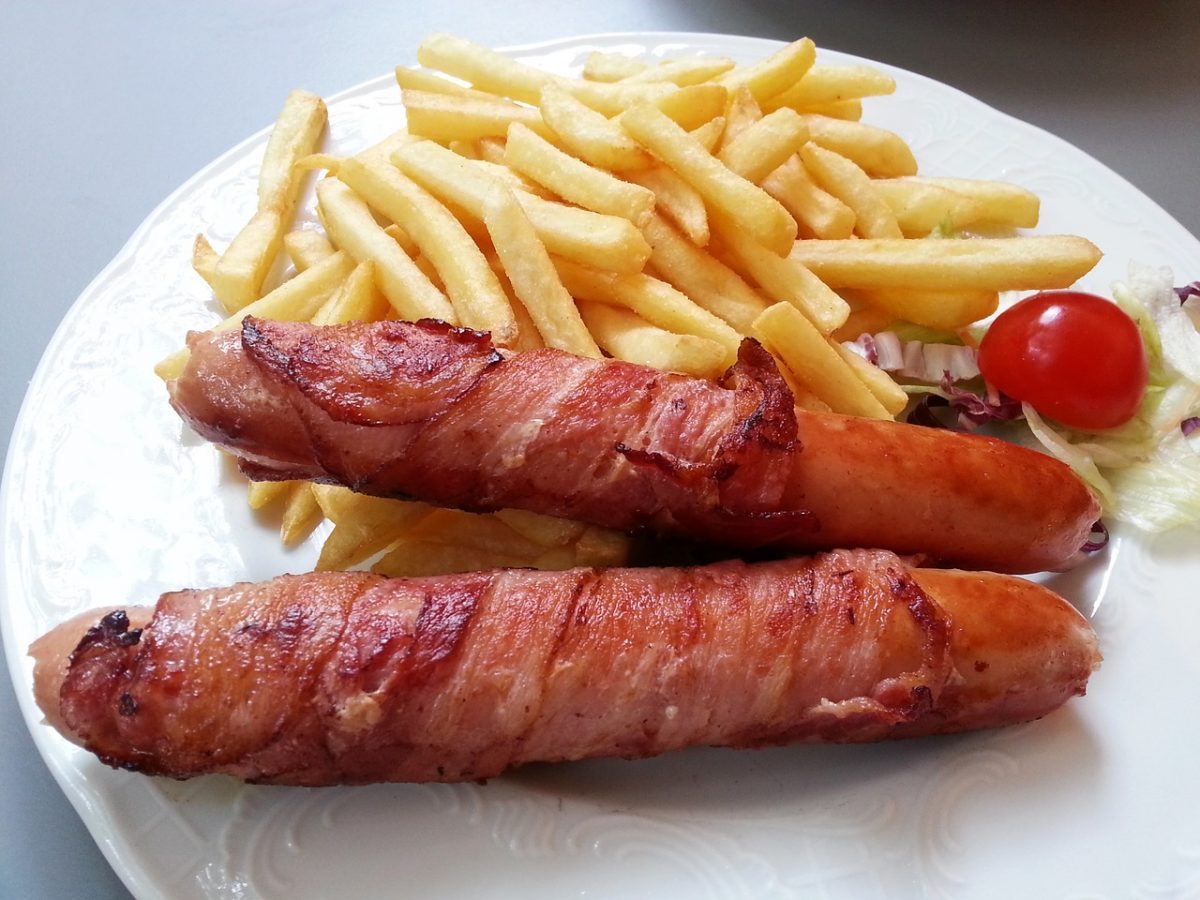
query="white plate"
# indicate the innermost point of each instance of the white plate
(105, 500)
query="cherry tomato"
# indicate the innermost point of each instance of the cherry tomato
(1075, 357)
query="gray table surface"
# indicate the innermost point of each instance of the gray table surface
(107, 107)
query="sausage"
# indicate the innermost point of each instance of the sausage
(429, 412)
(350, 677)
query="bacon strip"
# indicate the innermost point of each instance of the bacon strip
(349, 677)
(426, 411)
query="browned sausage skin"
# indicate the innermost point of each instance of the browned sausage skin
(435, 413)
(349, 677)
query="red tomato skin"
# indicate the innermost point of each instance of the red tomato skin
(1074, 357)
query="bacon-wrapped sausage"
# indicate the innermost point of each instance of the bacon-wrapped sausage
(351, 677)
(435, 413)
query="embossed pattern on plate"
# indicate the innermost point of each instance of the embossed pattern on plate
(105, 500)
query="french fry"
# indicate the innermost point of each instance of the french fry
(776, 73)
(609, 67)
(841, 177)
(296, 300)
(381, 151)
(710, 283)
(690, 107)
(816, 210)
(590, 135)
(306, 247)
(447, 117)
(533, 277)
(747, 204)
(802, 397)
(889, 394)
(830, 84)
(356, 300)
(945, 310)
(709, 134)
(481, 531)
(400, 236)
(414, 558)
(682, 71)
(742, 112)
(475, 294)
(922, 204)
(602, 547)
(864, 320)
(675, 199)
(850, 110)
(465, 149)
(783, 278)
(433, 83)
(545, 531)
(301, 514)
(763, 146)
(613, 99)
(512, 179)
(608, 242)
(491, 150)
(1039, 262)
(239, 273)
(260, 494)
(204, 259)
(363, 525)
(352, 227)
(528, 336)
(879, 153)
(483, 67)
(498, 74)
(627, 336)
(814, 362)
(654, 300)
(319, 161)
(573, 179)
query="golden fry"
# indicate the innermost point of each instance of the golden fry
(475, 294)
(683, 71)
(776, 73)
(675, 199)
(590, 135)
(573, 179)
(242, 268)
(945, 310)
(296, 300)
(814, 362)
(533, 277)
(783, 278)
(653, 300)
(601, 66)
(923, 204)
(831, 84)
(305, 248)
(747, 204)
(627, 336)
(1034, 263)
(843, 179)
(763, 146)
(446, 117)
(352, 227)
(709, 282)
(879, 153)
(577, 234)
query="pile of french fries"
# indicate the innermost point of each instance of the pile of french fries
(652, 211)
